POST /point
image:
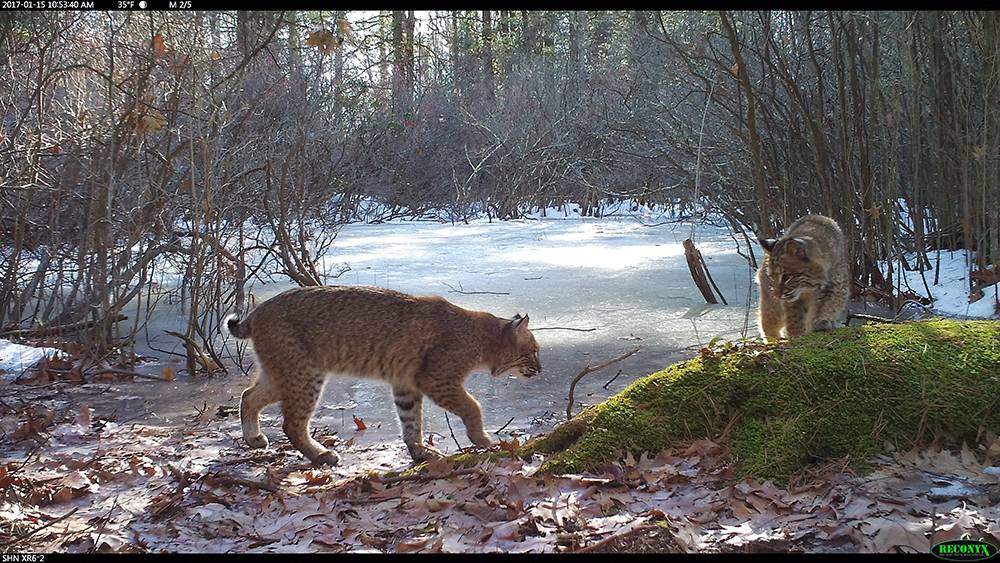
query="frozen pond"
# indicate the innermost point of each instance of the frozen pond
(627, 281)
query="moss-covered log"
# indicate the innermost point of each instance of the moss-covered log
(782, 406)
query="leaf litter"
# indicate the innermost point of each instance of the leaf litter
(70, 484)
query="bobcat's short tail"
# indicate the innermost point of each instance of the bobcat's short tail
(239, 329)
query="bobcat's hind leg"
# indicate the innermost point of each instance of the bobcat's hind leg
(259, 395)
(409, 406)
(297, 406)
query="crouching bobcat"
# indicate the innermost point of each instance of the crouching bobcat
(419, 345)
(804, 278)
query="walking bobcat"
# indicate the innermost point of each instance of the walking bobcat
(804, 279)
(419, 345)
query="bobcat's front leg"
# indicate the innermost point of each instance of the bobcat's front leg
(798, 317)
(409, 406)
(457, 400)
(770, 316)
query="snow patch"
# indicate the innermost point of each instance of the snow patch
(951, 293)
(16, 358)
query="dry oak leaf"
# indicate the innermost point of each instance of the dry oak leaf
(360, 423)
(324, 40)
(979, 152)
(158, 47)
(150, 123)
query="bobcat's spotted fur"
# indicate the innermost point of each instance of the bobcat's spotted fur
(419, 345)
(804, 279)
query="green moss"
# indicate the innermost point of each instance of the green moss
(782, 406)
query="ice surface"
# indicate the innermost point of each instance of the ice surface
(617, 275)
(627, 281)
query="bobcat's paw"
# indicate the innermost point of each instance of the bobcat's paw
(482, 441)
(823, 325)
(257, 442)
(328, 457)
(425, 453)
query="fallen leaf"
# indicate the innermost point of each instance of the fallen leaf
(410, 545)
(510, 446)
(158, 47)
(359, 423)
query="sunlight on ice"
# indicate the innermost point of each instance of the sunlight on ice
(601, 256)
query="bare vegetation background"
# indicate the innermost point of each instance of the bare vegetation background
(231, 146)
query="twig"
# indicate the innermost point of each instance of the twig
(564, 328)
(160, 509)
(195, 350)
(115, 371)
(30, 533)
(871, 318)
(59, 329)
(614, 537)
(423, 477)
(453, 290)
(104, 524)
(499, 430)
(613, 379)
(591, 369)
(446, 419)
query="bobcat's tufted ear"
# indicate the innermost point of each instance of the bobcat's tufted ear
(797, 248)
(518, 323)
(767, 244)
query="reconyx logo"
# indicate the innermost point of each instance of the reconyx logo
(964, 550)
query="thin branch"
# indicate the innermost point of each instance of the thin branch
(42, 331)
(454, 439)
(30, 533)
(612, 380)
(591, 369)
(453, 290)
(871, 318)
(499, 430)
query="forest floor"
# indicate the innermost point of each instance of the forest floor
(73, 482)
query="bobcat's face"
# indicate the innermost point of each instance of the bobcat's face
(792, 285)
(519, 356)
(791, 269)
